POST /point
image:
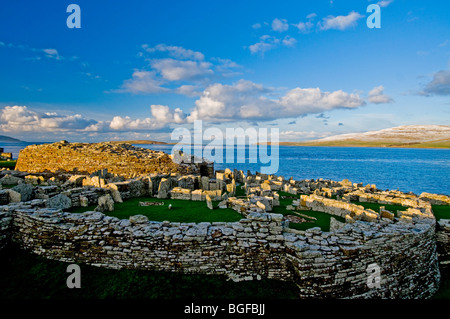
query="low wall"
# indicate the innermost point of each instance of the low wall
(249, 249)
(322, 264)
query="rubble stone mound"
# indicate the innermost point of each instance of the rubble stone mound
(85, 158)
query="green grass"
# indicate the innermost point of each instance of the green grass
(185, 211)
(441, 211)
(323, 219)
(444, 288)
(33, 277)
(240, 192)
(8, 164)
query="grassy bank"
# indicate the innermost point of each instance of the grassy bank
(33, 277)
(8, 164)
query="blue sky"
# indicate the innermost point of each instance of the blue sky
(139, 69)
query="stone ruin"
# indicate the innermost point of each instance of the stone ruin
(409, 246)
(120, 158)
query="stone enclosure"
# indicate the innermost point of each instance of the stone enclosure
(407, 246)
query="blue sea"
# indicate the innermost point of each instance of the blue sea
(408, 170)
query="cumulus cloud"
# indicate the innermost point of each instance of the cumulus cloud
(188, 90)
(175, 51)
(162, 115)
(289, 41)
(20, 118)
(178, 70)
(280, 25)
(439, 85)
(143, 82)
(340, 22)
(268, 42)
(377, 96)
(248, 100)
(304, 27)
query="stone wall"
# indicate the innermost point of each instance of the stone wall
(322, 264)
(249, 249)
(443, 241)
(5, 228)
(86, 158)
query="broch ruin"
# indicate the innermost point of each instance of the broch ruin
(409, 246)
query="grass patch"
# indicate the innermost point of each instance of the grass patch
(240, 191)
(444, 288)
(33, 277)
(184, 211)
(8, 164)
(322, 219)
(441, 211)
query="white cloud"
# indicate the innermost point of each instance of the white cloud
(52, 53)
(175, 51)
(266, 43)
(280, 25)
(143, 82)
(162, 116)
(340, 22)
(183, 65)
(311, 16)
(176, 70)
(256, 26)
(20, 118)
(377, 96)
(300, 101)
(384, 3)
(289, 41)
(439, 85)
(304, 27)
(188, 90)
(248, 100)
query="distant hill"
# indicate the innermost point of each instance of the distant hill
(141, 142)
(6, 139)
(411, 136)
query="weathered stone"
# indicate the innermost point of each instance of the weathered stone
(59, 201)
(209, 202)
(14, 197)
(84, 201)
(164, 188)
(10, 180)
(25, 190)
(105, 204)
(138, 219)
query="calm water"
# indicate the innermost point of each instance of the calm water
(416, 170)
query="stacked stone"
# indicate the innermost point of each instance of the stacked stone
(443, 241)
(249, 249)
(121, 159)
(5, 228)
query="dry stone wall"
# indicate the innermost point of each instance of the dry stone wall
(322, 264)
